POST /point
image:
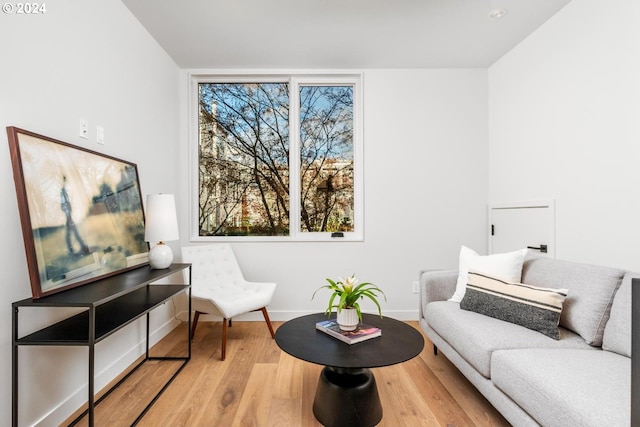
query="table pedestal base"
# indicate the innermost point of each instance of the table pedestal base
(347, 397)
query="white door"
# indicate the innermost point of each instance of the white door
(517, 225)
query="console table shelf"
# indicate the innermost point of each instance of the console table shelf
(110, 317)
(111, 304)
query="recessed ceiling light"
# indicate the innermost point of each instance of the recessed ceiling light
(497, 13)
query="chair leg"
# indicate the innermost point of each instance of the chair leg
(227, 322)
(266, 319)
(195, 322)
(223, 351)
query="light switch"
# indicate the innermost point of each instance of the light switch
(100, 135)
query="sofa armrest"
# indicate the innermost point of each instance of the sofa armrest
(436, 285)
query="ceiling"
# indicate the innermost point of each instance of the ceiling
(341, 34)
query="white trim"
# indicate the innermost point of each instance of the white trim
(295, 79)
(294, 159)
(286, 315)
(529, 204)
(192, 141)
(548, 203)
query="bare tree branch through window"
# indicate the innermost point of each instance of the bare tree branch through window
(244, 159)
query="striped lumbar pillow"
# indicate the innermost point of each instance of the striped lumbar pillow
(533, 307)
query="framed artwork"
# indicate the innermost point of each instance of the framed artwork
(81, 212)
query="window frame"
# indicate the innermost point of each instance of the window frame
(295, 81)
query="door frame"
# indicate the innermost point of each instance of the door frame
(542, 203)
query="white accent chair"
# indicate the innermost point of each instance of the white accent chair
(218, 287)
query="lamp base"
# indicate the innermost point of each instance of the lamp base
(160, 256)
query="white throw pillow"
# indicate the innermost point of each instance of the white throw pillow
(506, 266)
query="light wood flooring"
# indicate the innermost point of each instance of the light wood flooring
(259, 385)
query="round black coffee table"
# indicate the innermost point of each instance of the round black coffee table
(347, 394)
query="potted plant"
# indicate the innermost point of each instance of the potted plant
(347, 293)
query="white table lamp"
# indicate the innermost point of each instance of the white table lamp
(161, 225)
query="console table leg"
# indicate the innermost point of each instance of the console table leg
(347, 398)
(14, 369)
(92, 347)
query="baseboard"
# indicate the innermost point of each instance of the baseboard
(78, 398)
(285, 315)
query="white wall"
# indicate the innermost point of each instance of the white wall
(90, 60)
(426, 180)
(564, 109)
(562, 123)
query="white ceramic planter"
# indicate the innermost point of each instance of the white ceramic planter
(348, 319)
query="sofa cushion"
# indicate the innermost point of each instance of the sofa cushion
(591, 290)
(476, 336)
(533, 307)
(506, 266)
(566, 387)
(617, 333)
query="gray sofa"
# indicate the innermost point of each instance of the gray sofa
(583, 379)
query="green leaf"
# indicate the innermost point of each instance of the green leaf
(348, 297)
(357, 307)
(333, 297)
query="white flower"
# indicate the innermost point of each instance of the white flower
(349, 283)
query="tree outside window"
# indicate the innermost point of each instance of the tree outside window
(326, 158)
(253, 137)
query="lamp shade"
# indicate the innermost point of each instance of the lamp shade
(161, 223)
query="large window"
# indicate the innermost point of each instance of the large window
(277, 158)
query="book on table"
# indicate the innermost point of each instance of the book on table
(362, 333)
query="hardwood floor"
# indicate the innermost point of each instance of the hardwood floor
(259, 385)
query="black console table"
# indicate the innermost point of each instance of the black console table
(111, 304)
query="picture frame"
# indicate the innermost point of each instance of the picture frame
(81, 212)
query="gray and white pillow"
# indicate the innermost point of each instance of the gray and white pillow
(533, 307)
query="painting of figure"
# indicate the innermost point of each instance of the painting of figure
(81, 212)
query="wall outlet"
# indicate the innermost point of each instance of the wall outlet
(83, 130)
(416, 288)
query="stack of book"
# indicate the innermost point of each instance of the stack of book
(362, 333)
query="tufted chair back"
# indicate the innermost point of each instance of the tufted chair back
(212, 266)
(218, 286)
